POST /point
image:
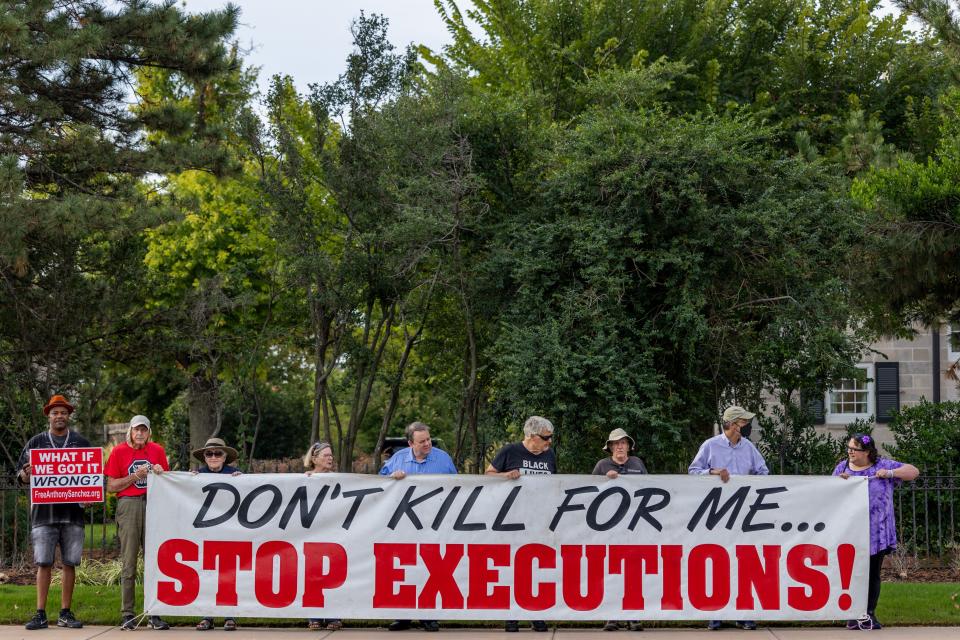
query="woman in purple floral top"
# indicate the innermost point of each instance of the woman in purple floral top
(884, 474)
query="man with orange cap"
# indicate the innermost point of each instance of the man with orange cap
(54, 524)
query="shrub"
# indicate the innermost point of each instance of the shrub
(100, 573)
(790, 444)
(928, 436)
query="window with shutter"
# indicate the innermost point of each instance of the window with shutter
(815, 405)
(953, 342)
(850, 399)
(888, 389)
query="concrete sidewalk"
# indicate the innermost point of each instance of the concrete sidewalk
(261, 633)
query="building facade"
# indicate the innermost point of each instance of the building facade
(901, 374)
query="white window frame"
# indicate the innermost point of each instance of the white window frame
(845, 418)
(952, 355)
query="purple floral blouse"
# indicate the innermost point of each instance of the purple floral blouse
(883, 528)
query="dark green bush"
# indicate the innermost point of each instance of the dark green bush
(927, 436)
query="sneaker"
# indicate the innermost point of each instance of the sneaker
(612, 625)
(865, 622)
(876, 623)
(128, 623)
(747, 625)
(852, 625)
(539, 625)
(399, 625)
(66, 619)
(714, 625)
(157, 623)
(635, 625)
(38, 621)
(430, 625)
(511, 626)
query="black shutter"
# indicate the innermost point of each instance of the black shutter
(887, 376)
(815, 406)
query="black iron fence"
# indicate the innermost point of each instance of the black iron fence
(926, 512)
(101, 529)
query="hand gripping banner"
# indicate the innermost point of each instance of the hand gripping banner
(563, 547)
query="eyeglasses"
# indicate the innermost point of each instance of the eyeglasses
(546, 437)
(852, 449)
(212, 454)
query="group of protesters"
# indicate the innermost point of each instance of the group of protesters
(728, 453)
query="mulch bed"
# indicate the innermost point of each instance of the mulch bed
(921, 574)
(25, 573)
(18, 575)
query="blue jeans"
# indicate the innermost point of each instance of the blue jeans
(46, 537)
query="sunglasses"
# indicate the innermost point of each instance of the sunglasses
(212, 454)
(546, 437)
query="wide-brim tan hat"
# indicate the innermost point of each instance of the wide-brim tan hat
(215, 443)
(618, 434)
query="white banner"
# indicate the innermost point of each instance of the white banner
(563, 547)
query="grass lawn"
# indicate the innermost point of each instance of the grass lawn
(94, 535)
(902, 604)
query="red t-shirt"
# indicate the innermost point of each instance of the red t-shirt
(124, 460)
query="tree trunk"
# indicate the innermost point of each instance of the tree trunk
(395, 393)
(322, 321)
(366, 375)
(203, 406)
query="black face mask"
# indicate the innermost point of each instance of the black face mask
(746, 429)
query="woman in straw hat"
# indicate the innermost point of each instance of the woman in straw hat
(319, 459)
(217, 457)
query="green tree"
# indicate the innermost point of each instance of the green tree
(669, 264)
(909, 264)
(360, 207)
(908, 267)
(211, 284)
(797, 60)
(72, 158)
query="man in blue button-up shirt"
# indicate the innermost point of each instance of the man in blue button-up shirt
(419, 457)
(730, 453)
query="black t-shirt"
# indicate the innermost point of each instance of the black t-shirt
(632, 465)
(224, 469)
(65, 513)
(516, 456)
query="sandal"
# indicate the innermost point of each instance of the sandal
(315, 625)
(229, 624)
(334, 625)
(205, 625)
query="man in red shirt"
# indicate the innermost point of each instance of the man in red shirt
(127, 470)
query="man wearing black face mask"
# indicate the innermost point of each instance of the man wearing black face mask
(730, 453)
